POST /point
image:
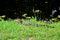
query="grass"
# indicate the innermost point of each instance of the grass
(11, 30)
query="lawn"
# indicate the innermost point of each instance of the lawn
(11, 30)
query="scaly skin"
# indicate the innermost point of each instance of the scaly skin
(31, 23)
